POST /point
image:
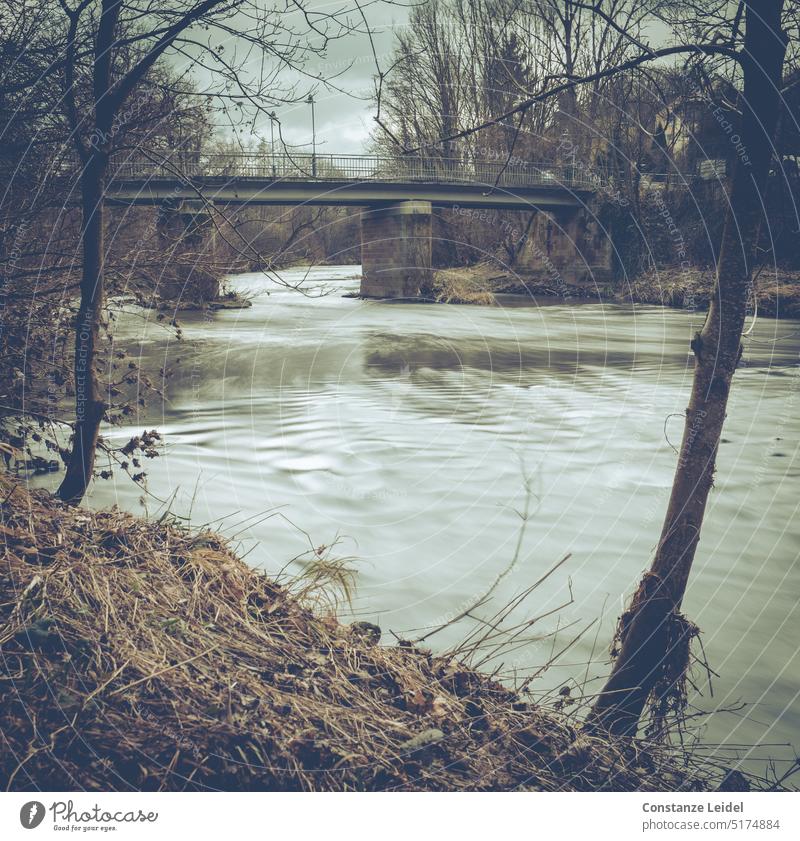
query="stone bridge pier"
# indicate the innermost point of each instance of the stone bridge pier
(567, 247)
(186, 233)
(396, 250)
(564, 247)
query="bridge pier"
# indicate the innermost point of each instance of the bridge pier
(396, 250)
(568, 246)
(186, 232)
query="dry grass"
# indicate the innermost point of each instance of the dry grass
(479, 284)
(141, 655)
(464, 286)
(670, 287)
(777, 293)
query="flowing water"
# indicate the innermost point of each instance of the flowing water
(418, 436)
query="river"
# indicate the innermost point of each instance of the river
(408, 433)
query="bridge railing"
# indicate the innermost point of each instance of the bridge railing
(327, 167)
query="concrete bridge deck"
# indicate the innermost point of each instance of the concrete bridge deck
(348, 180)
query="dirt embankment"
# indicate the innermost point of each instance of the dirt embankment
(479, 284)
(776, 294)
(142, 655)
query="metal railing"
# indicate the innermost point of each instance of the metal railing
(309, 167)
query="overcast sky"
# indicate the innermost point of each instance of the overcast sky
(344, 117)
(345, 110)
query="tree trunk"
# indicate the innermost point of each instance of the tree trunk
(648, 631)
(89, 404)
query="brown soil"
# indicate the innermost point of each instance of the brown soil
(142, 655)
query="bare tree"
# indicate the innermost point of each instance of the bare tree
(109, 48)
(40, 229)
(654, 635)
(749, 35)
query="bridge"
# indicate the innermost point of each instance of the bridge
(397, 195)
(349, 180)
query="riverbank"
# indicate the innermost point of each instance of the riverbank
(481, 283)
(777, 295)
(144, 655)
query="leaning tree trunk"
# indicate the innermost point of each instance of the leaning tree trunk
(89, 404)
(652, 632)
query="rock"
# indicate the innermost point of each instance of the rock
(424, 739)
(460, 682)
(371, 634)
(734, 781)
(39, 636)
(317, 658)
(418, 702)
(534, 739)
(577, 754)
(440, 707)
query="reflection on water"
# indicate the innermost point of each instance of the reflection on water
(406, 432)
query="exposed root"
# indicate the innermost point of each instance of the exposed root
(669, 698)
(666, 706)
